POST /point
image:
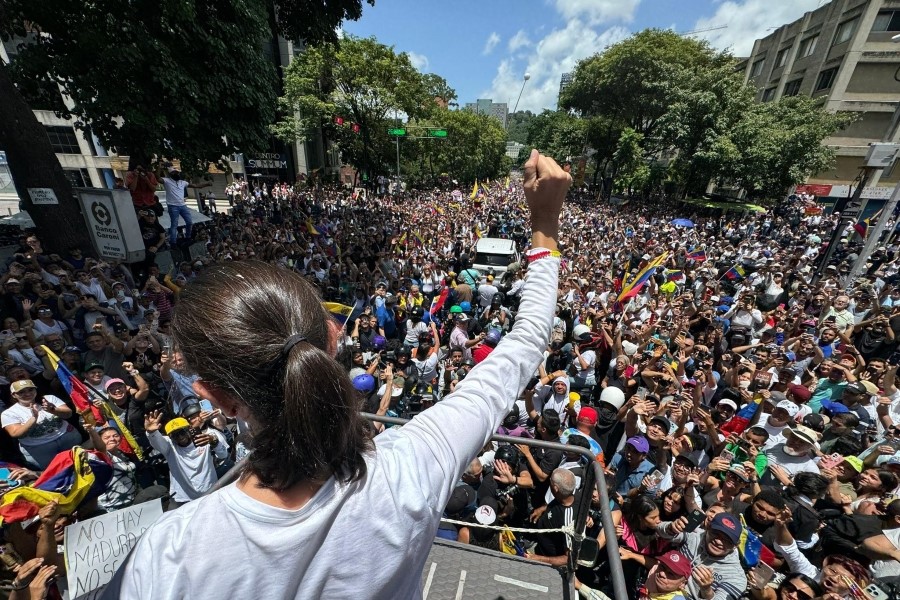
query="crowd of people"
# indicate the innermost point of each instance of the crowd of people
(740, 396)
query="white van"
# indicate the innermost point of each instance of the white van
(494, 253)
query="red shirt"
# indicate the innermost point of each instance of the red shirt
(481, 352)
(143, 193)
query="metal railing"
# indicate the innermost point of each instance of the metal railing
(594, 477)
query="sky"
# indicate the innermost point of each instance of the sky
(483, 48)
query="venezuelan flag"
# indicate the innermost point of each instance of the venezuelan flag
(696, 255)
(508, 186)
(632, 287)
(736, 272)
(438, 301)
(862, 228)
(740, 421)
(419, 241)
(311, 229)
(71, 477)
(339, 312)
(674, 275)
(477, 233)
(474, 193)
(78, 392)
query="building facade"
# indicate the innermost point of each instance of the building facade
(564, 80)
(498, 110)
(842, 53)
(87, 163)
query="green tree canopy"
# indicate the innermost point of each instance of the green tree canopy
(558, 134)
(362, 82)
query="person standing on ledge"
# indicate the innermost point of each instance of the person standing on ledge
(315, 485)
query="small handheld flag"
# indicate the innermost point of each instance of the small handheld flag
(339, 312)
(735, 272)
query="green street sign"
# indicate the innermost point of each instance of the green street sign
(396, 132)
(438, 133)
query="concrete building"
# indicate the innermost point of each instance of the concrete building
(514, 149)
(483, 106)
(88, 164)
(842, 53)
(564, 80)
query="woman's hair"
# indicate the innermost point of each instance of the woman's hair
(232, 325)
(811, 485)
(636, 509)
(670, 492)
(809, 581)
(860, 574)
(889, 480)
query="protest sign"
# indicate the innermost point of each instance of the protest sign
(95, 548)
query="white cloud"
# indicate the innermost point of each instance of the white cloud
(491, 43)
(419, 61)
(595, 12)
(749, 20)
(520, 40)
(555, 54)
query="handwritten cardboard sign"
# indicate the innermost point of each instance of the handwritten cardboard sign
(95, 548)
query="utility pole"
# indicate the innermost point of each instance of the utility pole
(880, 156)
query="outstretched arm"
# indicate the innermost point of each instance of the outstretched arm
(442, 440)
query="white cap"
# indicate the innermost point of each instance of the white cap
(791, 408)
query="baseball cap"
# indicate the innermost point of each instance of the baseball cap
(739, 472)
(676, 562)
(870, 387)
(662, 421)
(462, 496)
(94, 365)
(191, 408)
(789, 407)
(176, 424)
(856, 388)
(588, 415)
(12, 280)
(462, 317)
(72, 349)
(804, 433)
(639, 443)
(727, 402)
(455, 309)
(112, 382)
(854, 462)
(727, 524)
(22, 384)
(800, 392)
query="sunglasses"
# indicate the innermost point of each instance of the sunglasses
(802, 594)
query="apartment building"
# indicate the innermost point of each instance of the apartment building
(843, 53)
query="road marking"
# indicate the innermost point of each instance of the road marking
(428, 580)
(521, 584)
(462, 583)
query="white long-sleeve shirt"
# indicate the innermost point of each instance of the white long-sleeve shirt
(367, 539)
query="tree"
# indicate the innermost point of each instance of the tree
(362, 82)
(779, 144)
(558, 134)
(184, 79)
(517, 126)
(475, 147)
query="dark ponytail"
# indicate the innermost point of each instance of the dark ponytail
(232, 324)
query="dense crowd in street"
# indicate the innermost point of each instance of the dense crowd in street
(745, 412)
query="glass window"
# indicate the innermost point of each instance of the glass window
(63, 140)
(826, 79)
(808, 46)
(768, 95)
(78, 177)
(781, 57)
(756, 69)
(845, 31)
(792, 88)
(887, 20)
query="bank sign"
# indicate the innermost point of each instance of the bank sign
(112, 223)
(267, 161)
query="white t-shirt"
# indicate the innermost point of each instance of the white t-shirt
(392, 513)
(41, 329)
(174, 191)
(191, 468)
(590, 357)
(48, 427)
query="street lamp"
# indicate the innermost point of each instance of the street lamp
(524, 80)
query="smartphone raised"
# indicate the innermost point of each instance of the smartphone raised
(694, 520)
(762, 575)
(655, 478)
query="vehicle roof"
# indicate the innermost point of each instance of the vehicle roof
(495, 245)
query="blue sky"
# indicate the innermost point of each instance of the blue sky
(484, 47)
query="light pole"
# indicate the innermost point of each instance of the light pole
(524, 81)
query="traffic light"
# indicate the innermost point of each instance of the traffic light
(397, 132)
(438, 133)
